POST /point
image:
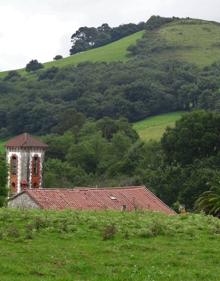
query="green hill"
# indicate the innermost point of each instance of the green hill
(196, 41)
(116, 51)
(152, 128)
(157, 76)
(193, 41)
(97, 246)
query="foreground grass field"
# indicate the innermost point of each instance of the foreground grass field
(153, 128)
(98, 246)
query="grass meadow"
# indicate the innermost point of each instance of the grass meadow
(197, 42)
(152, 128)
(110, 246)
(116, 51)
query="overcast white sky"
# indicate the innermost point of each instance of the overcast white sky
(41, 29)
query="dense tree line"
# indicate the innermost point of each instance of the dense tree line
(108, 152)
(86, 38)
(136, 89)
(3, 180)
(182, 167)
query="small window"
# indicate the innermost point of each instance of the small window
(36, 166)
(113, 198)
(13, 187)
(14, 165)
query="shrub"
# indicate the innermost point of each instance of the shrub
(33, 65)
(29, 231)
(49, 73)
(12, 75)
(13, 232)
(58, 57)
(39, 223)
(63, 226)
(157, 21)
(146, 233)
(109, 232)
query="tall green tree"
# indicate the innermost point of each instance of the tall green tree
(3, 180)
(195, 136)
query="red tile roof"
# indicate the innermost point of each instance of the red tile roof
(25, 140)
(98, 199)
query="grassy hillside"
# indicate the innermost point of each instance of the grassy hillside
(196, 42)
(153, 128)
(116, 51)
(97, 246)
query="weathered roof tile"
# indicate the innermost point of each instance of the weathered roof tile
(130, 198)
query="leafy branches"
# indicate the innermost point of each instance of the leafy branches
(3, 180)
(209, 202)
(86, 38)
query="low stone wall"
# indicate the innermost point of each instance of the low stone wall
(22, 201)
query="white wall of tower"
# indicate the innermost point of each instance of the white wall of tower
(24, 164)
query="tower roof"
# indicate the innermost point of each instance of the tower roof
(25, 141)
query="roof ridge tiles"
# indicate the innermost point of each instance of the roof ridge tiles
(25, 140)
(97, 198)
(93, 188)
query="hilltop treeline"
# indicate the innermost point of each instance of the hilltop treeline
(86, 38)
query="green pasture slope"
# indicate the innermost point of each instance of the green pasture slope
(116, 51)
(110, 246)
(152, 128)
(194, 41)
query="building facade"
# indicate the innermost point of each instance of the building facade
(25, 156)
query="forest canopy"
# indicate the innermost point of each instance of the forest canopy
(86, 38)
(109, 153)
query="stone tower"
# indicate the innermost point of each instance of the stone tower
(25, 156)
